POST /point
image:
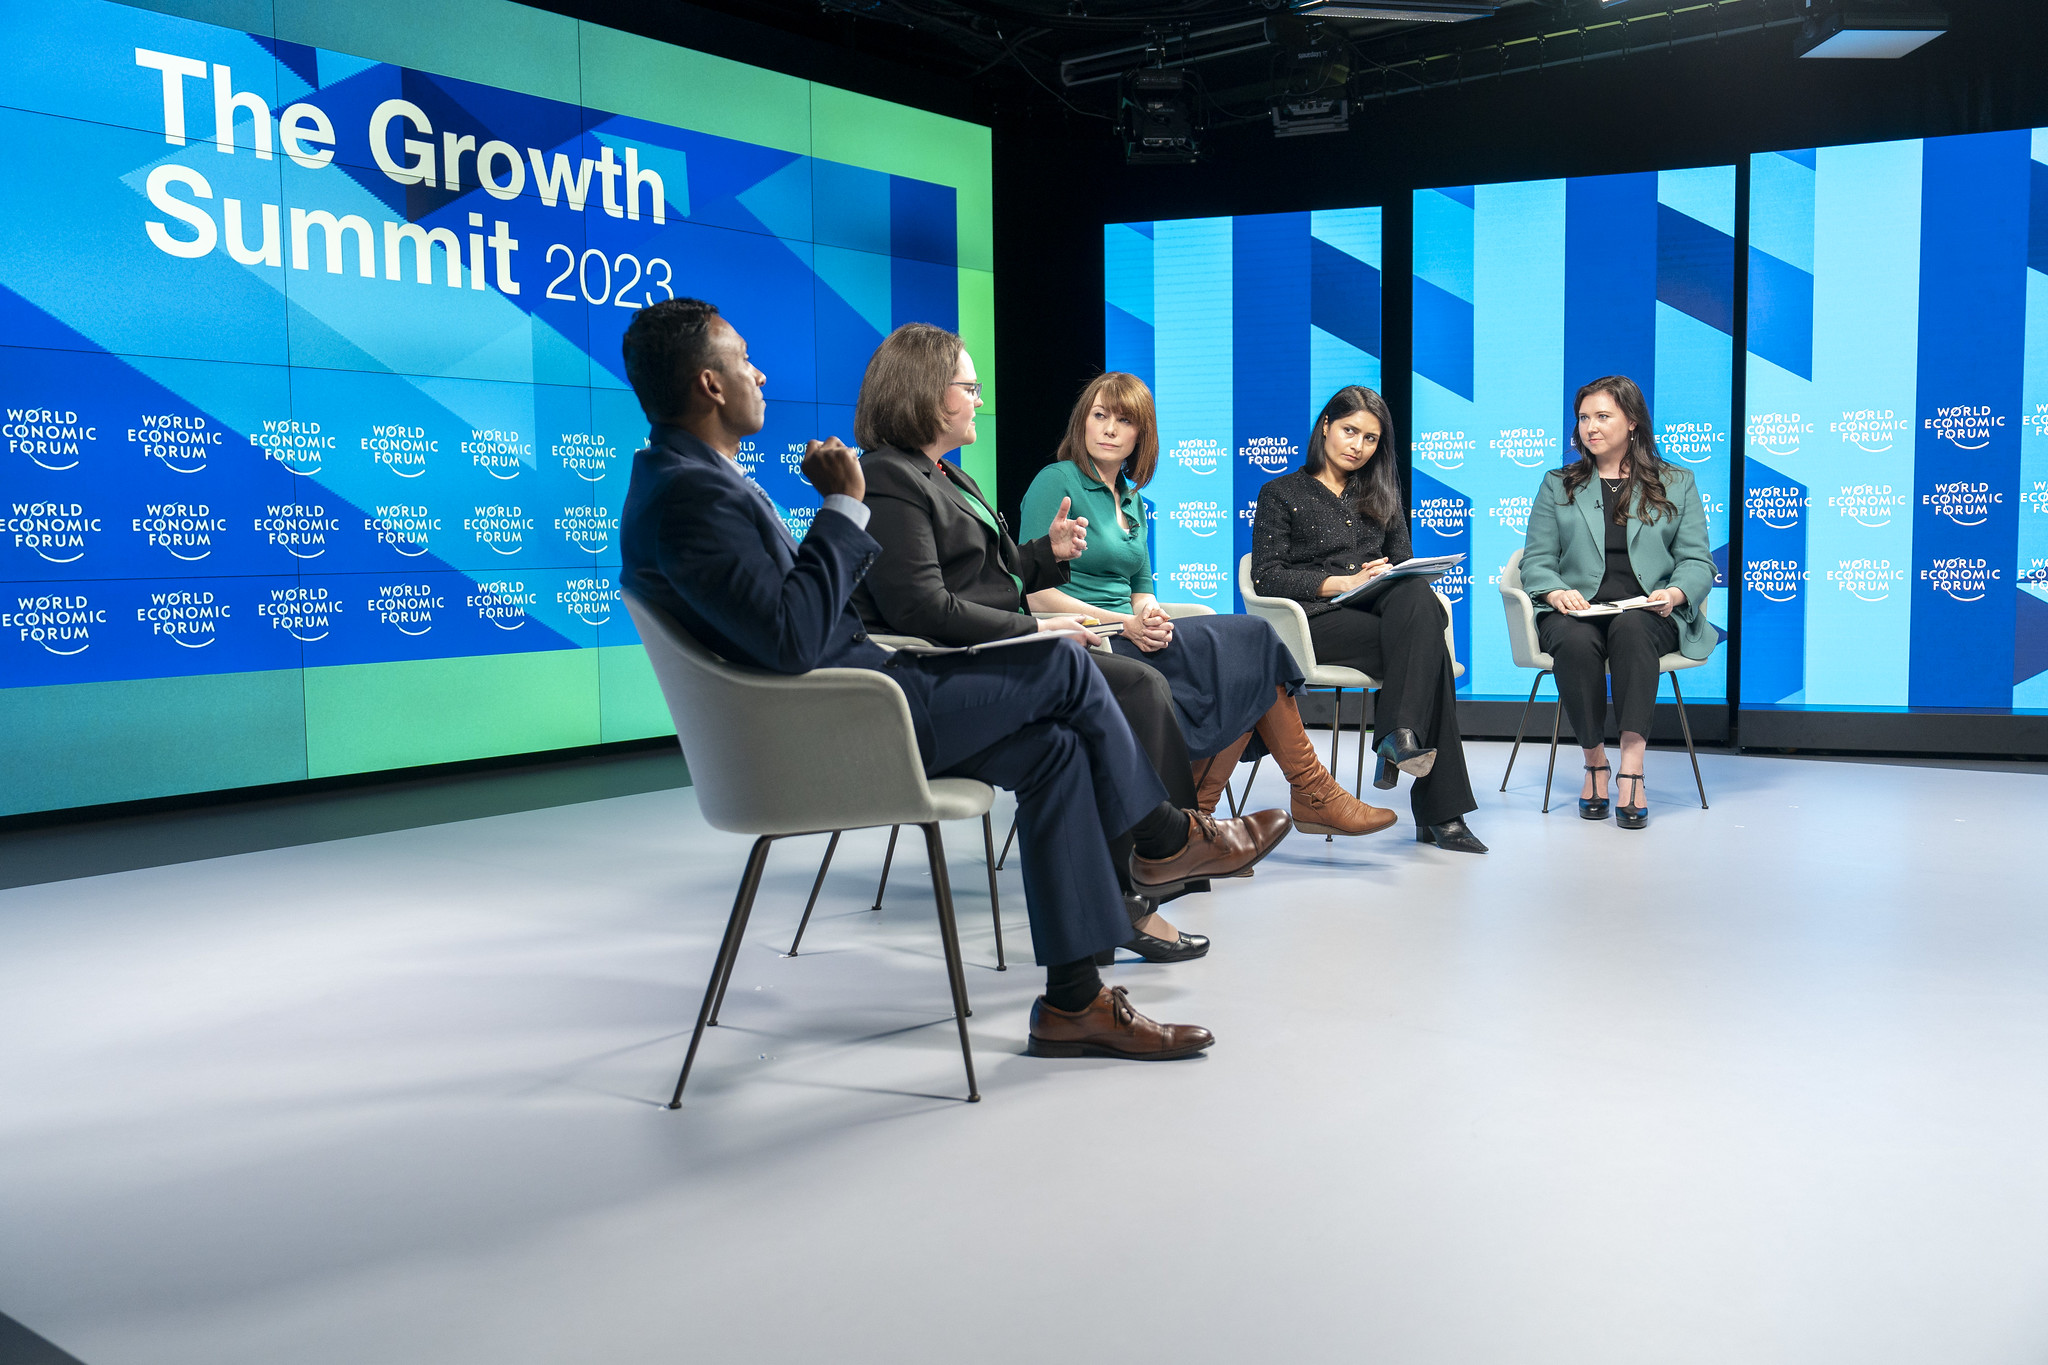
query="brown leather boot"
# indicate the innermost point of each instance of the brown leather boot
(1321, 805)
(1213, 774)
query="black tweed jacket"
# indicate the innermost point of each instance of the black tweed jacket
(1303, 533)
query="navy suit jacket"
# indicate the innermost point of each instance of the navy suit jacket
(703, 543)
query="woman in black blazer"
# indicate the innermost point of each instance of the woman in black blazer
(1332, 525)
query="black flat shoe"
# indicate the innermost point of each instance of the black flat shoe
(1400, 750)
(1186, 949)
(1452, 836)
(1594, 808)
(1632, 817)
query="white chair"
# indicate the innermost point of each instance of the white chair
(1290, 623)
(1527, 648)
(776, 756)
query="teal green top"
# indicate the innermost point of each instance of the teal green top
(1116, 564)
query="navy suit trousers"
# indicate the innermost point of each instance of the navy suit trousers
(1038, 720)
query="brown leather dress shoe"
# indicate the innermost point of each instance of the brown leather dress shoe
(1215, 848)
(1111, 1027)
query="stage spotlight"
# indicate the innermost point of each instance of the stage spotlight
(1411, 11)
(1864, 31)
(1157, 118)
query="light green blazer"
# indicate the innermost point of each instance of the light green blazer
(1567, 548)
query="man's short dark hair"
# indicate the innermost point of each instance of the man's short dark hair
(666, 347)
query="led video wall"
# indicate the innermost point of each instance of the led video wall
(1896, 532)
(316, 432)
(1525, 291)
(1243, 327)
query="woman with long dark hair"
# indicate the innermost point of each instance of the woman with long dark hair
(1335, 524)
(1617, 524)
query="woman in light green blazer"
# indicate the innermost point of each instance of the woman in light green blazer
(1619, 525)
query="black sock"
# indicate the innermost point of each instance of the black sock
(1072, 986)
(1163, 833)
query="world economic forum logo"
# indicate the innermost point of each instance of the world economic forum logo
(1198, 518)
(1867, 580)
(55, 531)
(1444, 449)
(61, 624)
(406, 607)
(184, 530)
(1690, 442)
(1269, 454)
(589, 600)
(1963, 502)
(590, 528)
(1778, 433)
(1964, 579)
(1525, 447)
(500, 454)
(1874, 431)
(1774, 580)
(585, 454)
(191, 620)
(1965, 427)
(1512, 514)
(500, 527)
(406, 527)
(177, 442)
(301, 612)
(299, 529)
(1777, 506)
(1197, 455)
(1199, 581)
(402, 450)
(793, 461)
(1868, 504)
(503, 602)
(301, 447)
(54, 438)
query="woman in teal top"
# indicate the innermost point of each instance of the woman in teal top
(1230, 675)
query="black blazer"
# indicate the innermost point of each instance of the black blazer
(1303, 533)
(944, 573)
(701, 542)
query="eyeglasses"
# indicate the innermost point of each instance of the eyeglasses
(973, 390)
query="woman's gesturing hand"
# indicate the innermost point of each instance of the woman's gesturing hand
(1567, 599)
(1069, 535)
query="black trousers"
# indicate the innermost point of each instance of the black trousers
(1039, 721)
(1399, 639)
(1590, 648)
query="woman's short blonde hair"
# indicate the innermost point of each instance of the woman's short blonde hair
(903, 394)
(1127, 397)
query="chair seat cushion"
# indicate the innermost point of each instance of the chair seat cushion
(1673, 663)
(1333, 675)
(960, 798)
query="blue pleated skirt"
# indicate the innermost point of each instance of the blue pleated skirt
(1223, 670)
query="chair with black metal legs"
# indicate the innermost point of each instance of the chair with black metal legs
(775, 756)
(1290, 623)
(1527, 648)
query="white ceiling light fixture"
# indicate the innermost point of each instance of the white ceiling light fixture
(1860, 33)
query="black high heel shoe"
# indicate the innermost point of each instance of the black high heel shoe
(1632, 817)
(1400, 750)
(1594, 807)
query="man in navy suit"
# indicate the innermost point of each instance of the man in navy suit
(702, 542)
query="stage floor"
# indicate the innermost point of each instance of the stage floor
(1765, 1083)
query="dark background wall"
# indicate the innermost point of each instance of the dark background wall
(1058, 180)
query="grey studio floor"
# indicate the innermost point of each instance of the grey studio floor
(1765, 1083)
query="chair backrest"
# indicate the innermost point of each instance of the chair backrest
(771, 753)
(1521, 611)
(1283, 614)
(1176, 610)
